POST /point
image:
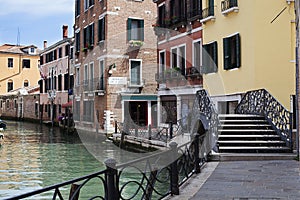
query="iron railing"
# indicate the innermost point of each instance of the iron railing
(152, 177)
(96, 84)
(261, 102)
(227, 4)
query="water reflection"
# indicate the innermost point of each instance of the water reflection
(34, 156)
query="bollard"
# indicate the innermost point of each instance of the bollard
(112, 192)
(149, 132)
(174, 171)
(196, 154)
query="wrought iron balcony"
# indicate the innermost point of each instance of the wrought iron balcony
(91, 85)
(195, 14)
(229, 6)
(208, 12)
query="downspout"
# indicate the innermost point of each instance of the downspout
(297, 9)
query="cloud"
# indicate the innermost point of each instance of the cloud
(36, 8)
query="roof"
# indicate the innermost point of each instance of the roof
(17, 49)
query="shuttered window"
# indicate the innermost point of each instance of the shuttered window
(210, 58)
(232, 52)
(101, 29)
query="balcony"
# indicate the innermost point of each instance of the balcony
(195, 14)
(228, 6)
(96, 85)
(208, 14)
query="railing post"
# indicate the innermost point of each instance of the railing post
(174, 171)
(116, 126)
(136, 131)
(291, 131)
(74, 195)
(149, 132)
(171, 129)
(112, 192)
(196, 154)
(150, 185)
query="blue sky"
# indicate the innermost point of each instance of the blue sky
(37, 20)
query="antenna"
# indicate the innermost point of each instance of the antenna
(18, 37)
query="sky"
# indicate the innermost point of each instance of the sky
(35, 20)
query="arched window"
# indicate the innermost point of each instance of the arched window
(10, 85)
(26, 83)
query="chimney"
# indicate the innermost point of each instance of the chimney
(45, 44)
(65, 31)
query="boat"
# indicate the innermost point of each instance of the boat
(2, 125)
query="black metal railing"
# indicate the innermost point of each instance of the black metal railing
(227, 4)
(96, 84)
(261, 102)
(207, 12)
(151, 177)
(195, 14)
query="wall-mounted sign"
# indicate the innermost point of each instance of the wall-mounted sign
(117, 80)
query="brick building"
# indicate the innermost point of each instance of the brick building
(179, 33)
(57, 78)
(115, 63)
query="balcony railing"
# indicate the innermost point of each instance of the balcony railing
(228, 5)
(195, 14)
(95, 85)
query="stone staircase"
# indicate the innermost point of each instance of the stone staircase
(240, 133)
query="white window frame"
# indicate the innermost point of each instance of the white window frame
(193, 52)
(160, 65)
(141, 70)
(177, 55)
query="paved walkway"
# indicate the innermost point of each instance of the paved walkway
(245, 180)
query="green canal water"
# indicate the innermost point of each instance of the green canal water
(34, 156)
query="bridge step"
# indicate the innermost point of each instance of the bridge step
(248, 134)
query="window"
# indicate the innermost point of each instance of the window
(77, 41)
(10, 85)
(101, 29)
(26, 83)
(88, 3)
(228, 4)
(196, 8)
(135, 29)
(10, 62)
(88, 36)
(232, 52)
(42, 60)
(178, 60)
(210, 58)
(135, 72)
(88, 113)
(32, 50)
(59, 82)
(162, 15)
(26, 63)
(101, 75)
(40, 82)
(86, 75)
(197, 54)
(91, 77)
(209, 9)
(178, 11)
(77, 8)
(60, 52)
(162, 62)
(67, 50)
(77, 76)
(66, 81)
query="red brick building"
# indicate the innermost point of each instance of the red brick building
(179, 32)
(115, 63)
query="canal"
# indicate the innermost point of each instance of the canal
(34, 156)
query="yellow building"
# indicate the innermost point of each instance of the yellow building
(18, 67)
(252, 43)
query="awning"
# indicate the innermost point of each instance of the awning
(66, 105)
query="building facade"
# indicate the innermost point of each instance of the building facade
(19, 67)
(57, 78)
(250, 45)
(179, 33)
(115, 63)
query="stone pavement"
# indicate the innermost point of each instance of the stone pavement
(244, 180)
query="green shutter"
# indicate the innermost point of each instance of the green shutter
(205, 59)
(226, 51)
(238, 50)
(141, 29)
(215, 56)
(211, 7)
(129, 29)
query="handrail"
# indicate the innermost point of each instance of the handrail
(261, 102)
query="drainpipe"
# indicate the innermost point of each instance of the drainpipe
(297, 10)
